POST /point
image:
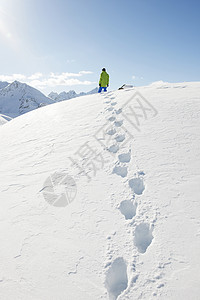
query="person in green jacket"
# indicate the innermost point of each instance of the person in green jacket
(103, 81)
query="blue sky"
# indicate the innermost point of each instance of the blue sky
(61, 45)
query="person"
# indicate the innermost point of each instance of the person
(103, 81)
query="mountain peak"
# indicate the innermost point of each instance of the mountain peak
(17, 84)
(18, 98)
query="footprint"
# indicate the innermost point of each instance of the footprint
(118, 123)
(113, 148)
(120, 138)
(112, 98)
(111, 119)
(113, 103)
(110, 108)
(107, 102)
(128, 209)
(116, 278)
(143, 237)
(121, 171)
(125, 157)
(118, 111)
(137, 185)
(111, 131)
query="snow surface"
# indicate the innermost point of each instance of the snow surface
(18, 98)
(91, 215)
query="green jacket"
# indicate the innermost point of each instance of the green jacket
(104, 79)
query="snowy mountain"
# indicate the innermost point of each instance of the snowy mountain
(100, 197)
(69, 95)
(3, 84)
(18, 98)
(94, 91)
(62, 96)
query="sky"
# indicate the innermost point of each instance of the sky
(59, 45)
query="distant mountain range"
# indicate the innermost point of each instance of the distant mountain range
(69, 95)
(17, 98)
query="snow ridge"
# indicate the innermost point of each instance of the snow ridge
(119, 222)
(117, 279)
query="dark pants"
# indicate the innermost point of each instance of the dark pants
(100, 89)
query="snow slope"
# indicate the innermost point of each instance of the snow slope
(100, 197)
(69, 95)
(18, 98)
(4, 119)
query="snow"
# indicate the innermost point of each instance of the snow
(4, 119)
(18, 98)
(91, 215)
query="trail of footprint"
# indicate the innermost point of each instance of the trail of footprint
(128, 209)
(143, 237)
(116, 278)
(137, 185)
(121, 171)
